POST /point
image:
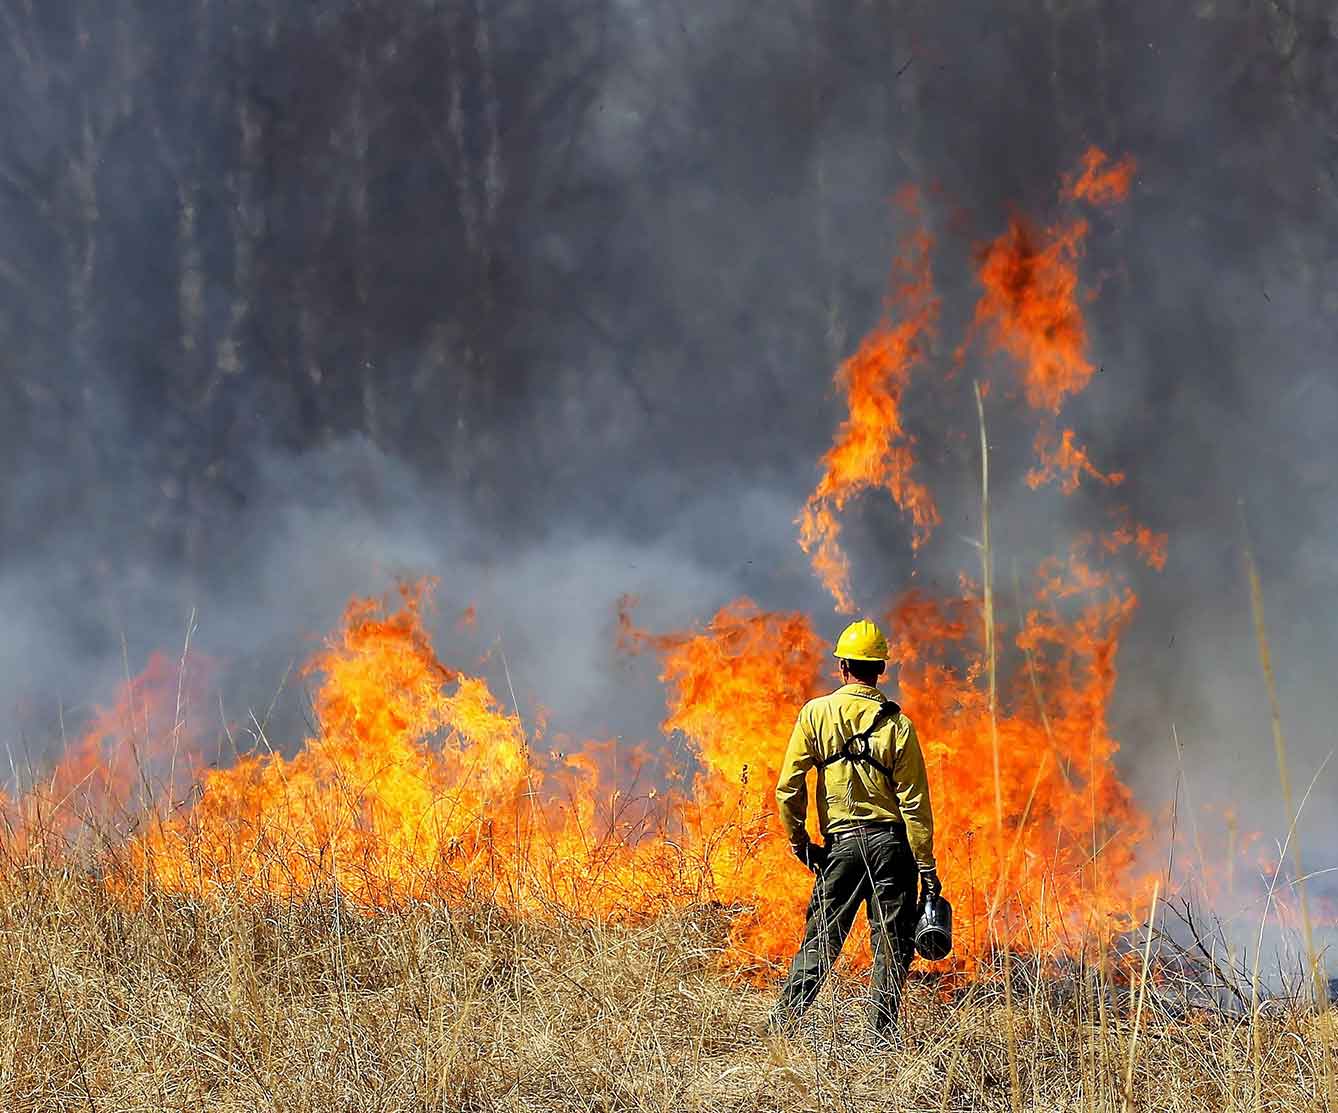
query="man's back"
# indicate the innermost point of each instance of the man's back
(853, 791)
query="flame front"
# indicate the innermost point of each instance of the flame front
(419, 785)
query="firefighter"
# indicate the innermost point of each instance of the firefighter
(876, 823)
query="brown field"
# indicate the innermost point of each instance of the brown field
(170, 1004)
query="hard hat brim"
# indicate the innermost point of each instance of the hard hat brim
(855, 657)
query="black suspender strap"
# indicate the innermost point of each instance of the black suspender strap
(856, 747)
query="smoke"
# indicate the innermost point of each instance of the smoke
(543, 299)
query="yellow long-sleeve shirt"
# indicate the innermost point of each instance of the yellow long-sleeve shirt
(851, 792)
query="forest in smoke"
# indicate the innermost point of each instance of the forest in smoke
(544, 298)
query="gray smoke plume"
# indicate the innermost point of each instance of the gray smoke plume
(543, 298)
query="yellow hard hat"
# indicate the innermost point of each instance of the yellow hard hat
(861, 641)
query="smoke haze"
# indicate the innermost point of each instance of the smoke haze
(544, 299)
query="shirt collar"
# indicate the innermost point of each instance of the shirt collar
(868, 691)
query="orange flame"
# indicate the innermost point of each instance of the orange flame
(1068, 870)
(1148, 543)
(370, 805)
(1068, 462)
(1100, 182)
(418, 784)
(872, 448)
(1071, 828)
(130, 755)
(734, 691)
(1030, 311)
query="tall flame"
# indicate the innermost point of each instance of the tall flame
(1071, 828)
(872, 448)
(1030, 311)
(414, 783)
(734, 689)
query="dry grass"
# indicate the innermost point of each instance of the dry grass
(173, 1004)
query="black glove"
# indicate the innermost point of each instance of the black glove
(931, 888)
(813, 855)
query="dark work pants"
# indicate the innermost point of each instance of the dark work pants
(875, 869)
